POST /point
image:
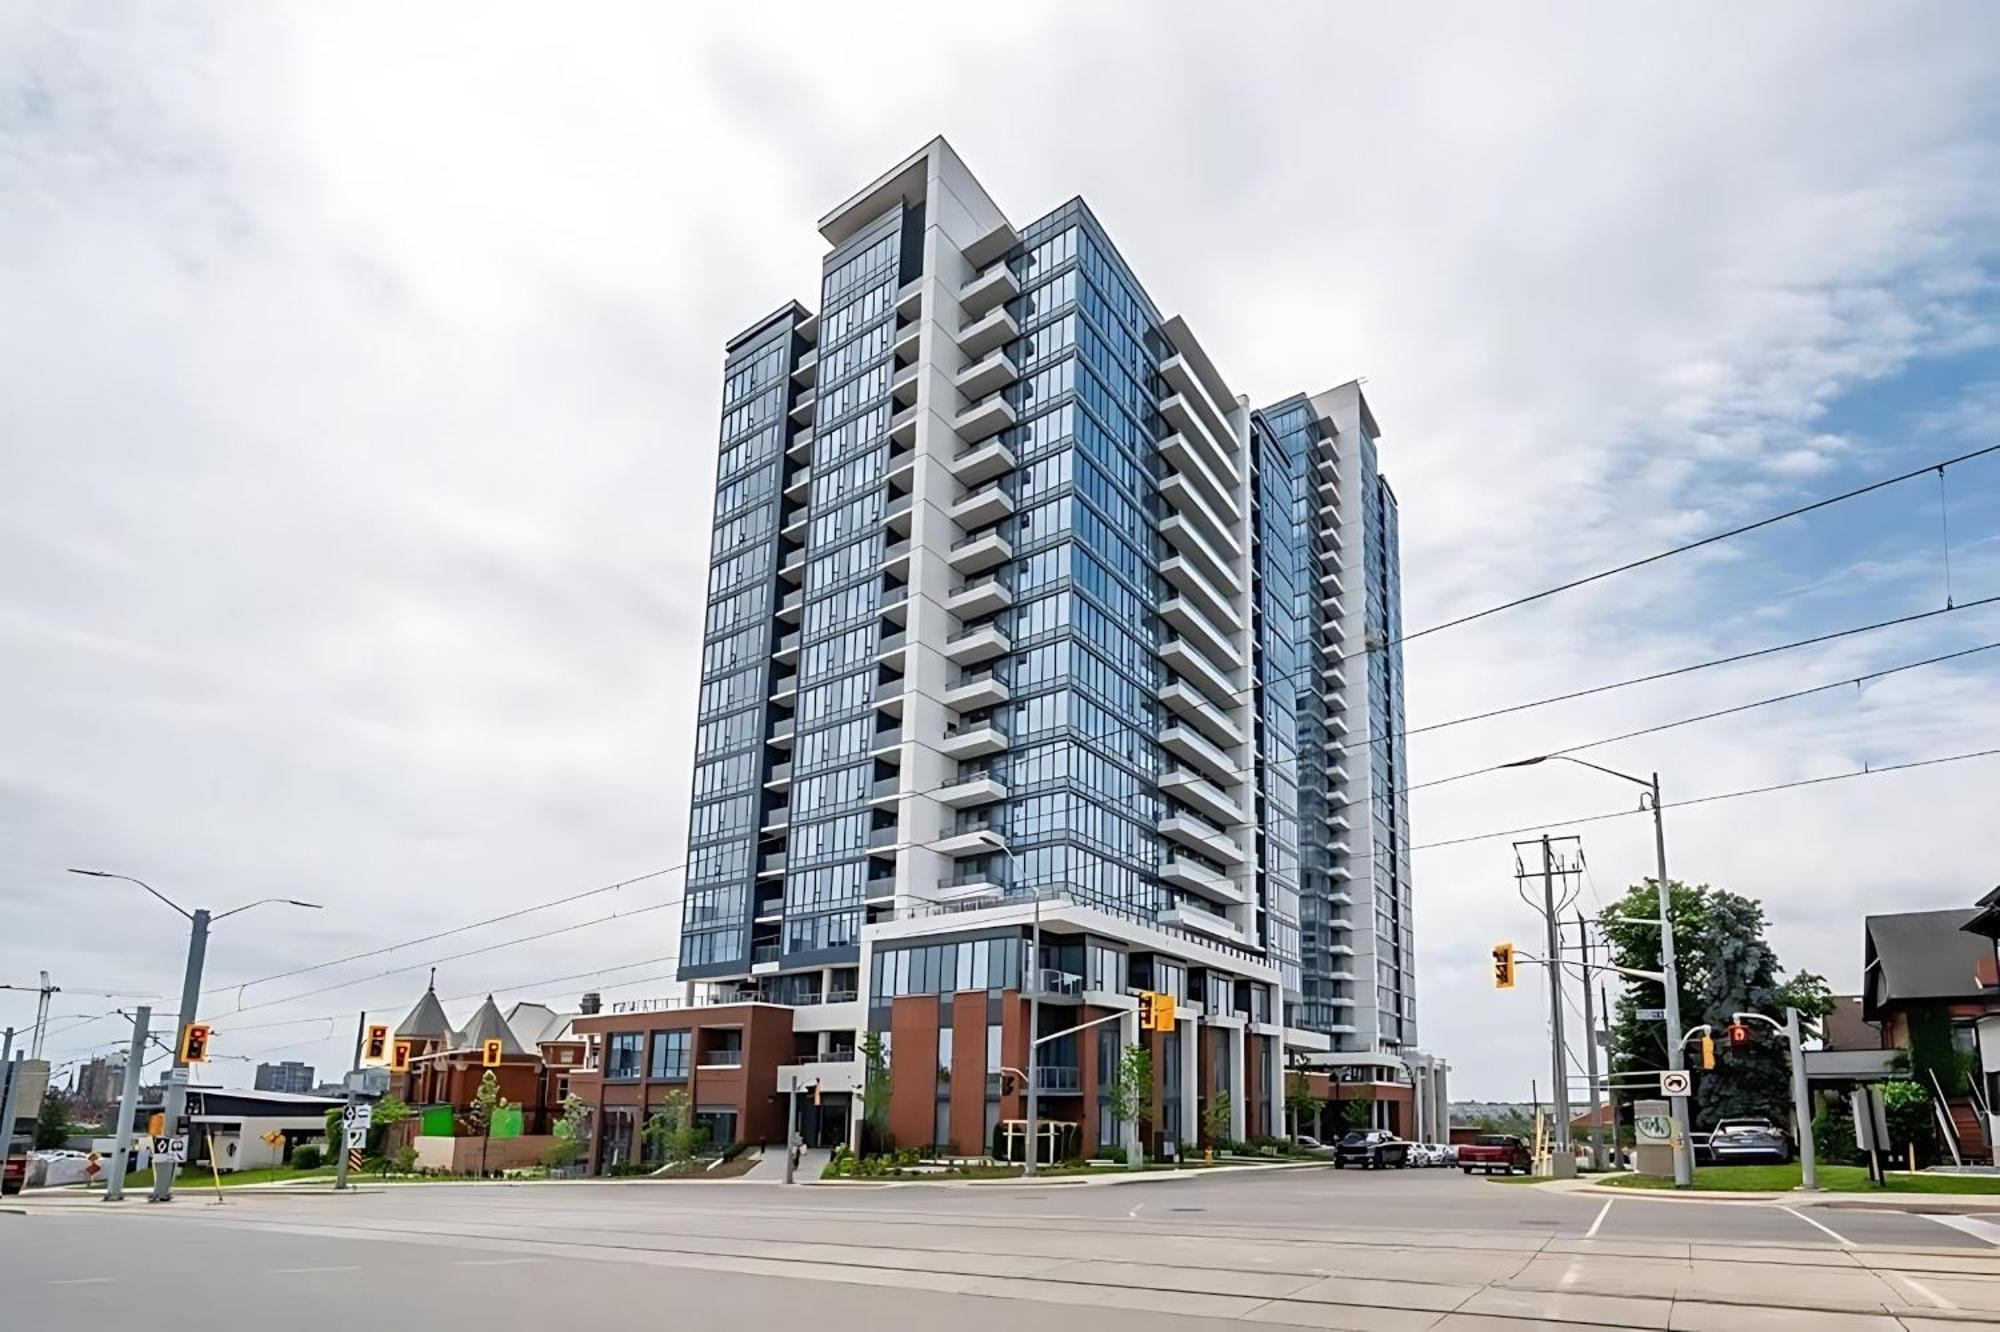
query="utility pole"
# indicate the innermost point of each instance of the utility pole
(1802, 1104)
(1562, 1160)
(128, 1104)
(1610, 1087)
(41, 1017)
(8, 1098)
(347, 1117)
(1590, 1050)
(1676, 1055)
(177, 1075)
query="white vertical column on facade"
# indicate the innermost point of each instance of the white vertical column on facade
(1238, 1111)
(1190, 1033)
(957, 211)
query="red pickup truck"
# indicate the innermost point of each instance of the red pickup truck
(1496, 1151)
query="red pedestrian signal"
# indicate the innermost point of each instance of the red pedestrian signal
(399, 1058)
(375, 1050)
(1739, 1035)
(194, 1043)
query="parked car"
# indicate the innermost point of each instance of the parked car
(1307, 1141)
(1371, 1149)
(1504, 1152)
(1438, 1154)
(1739, 1141)
(14, 1176)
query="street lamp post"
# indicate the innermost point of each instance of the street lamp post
(1034, 969)
(1676, 1056)
(177, 1078)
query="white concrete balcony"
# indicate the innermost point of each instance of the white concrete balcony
(896, 516)
(991, 245)
(807, 369)
(800, 448)
(903, 388)
(1188, 461)
(1187, 661)
(793, 567)
(1181, 417)
(1335, 674)
(1192, 748)
(981, 507)
(989, 374)
(996, 286)
(909, 340)
(783, 733)
(896, 559)
(1198, 835)
(1193, 625)
(1339, 821)
(1184, 498)
(1191, 583)
(802, 410)
(800, 486)
(1336, 725)
(975, 740)
(787, 652)
(780, 778)
(980, 552)
(966, 792)
(988, 416)
(902, 468)
(1340, 873)
(976, 645)
(996, 328)
(791, 604)
(1190, 917)
(981, 462)
(1339, 847)
(1186, 384)
(910, 298)
(903, 427)
(1188, 703)
(977, 689)
(1201, 795)
(1182, 536)
(973, 841)
(1195, 877)
(977, 597)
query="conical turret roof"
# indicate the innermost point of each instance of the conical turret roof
(486, 1025)
(427, 1019)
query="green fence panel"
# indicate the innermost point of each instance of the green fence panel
(437, 1122)
(507, 1122)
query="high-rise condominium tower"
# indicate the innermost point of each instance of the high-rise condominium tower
(1022, 621)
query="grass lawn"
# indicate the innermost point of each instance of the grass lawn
(1832, 1178)
(198, 1177)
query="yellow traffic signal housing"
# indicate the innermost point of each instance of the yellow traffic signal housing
(489, 1053)
(1503, 966)
(1707, 1050)
(1163, 1012)
(194, 1043)
(399, 1057)
(375, 1050)
(1146, 998)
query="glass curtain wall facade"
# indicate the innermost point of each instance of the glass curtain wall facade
(1278, 577)
(1388, 829)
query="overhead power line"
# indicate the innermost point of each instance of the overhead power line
(1710, 799)
(1720, 712)
(1627, 567)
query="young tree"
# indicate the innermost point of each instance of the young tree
(569, 1133)
(875, 1089)
(53, 1128)
(672, 1129)
(1356, 1113)
(1726, 967)
(487, 1102)
(1132, 1095)
(1215, 1119)
(1302, 1105)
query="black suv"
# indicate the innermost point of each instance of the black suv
(1371, 1149)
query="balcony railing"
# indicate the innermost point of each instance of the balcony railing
(765, 953)
(1058, 1079)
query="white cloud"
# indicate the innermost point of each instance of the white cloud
(362, 372)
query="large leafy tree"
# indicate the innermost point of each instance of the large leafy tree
(1726, 966)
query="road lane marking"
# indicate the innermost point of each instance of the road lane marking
(1970, 1225)
(1844, 1242)
(1936, 1299)
(1601, 1214)
(80, 1281)
(1136, 1210)
(305, 1271)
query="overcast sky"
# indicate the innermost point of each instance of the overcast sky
(359, 369)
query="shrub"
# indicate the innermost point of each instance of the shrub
(306, 1156)
(1833, 1133)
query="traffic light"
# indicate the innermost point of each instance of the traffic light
(399, 1057)
(489, 1052)
(1707, 1050)
(1739, 1035)
(375, 1050)
(194, 1043)
(1146, 998)
(1163, 1012)
(1503, 966)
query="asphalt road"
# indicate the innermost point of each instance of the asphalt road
(1316, 1248)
